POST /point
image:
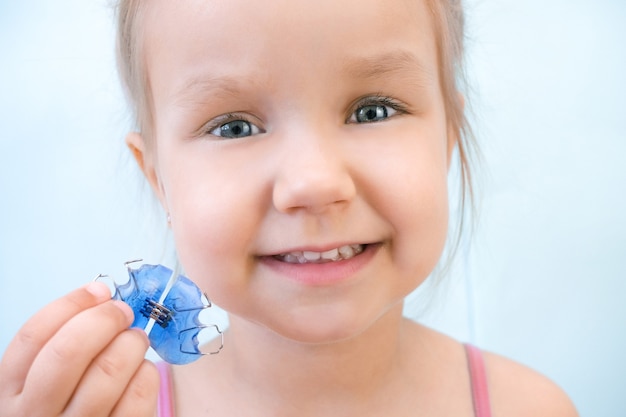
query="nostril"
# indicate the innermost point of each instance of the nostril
(313, 192)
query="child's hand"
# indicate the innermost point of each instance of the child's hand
(77, 357)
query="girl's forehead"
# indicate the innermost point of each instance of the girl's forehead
(236, 37)
(239, 15)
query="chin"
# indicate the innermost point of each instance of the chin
(331, 326)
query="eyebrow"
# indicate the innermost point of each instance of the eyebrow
(400, 61)
(196, 88)
(387, 63)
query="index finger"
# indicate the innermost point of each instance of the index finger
(36, 332)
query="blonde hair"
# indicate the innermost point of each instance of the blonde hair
(449, 27)
(130, 64)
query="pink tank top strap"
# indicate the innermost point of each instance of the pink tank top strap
(478, 379)
(476, 366)
(165, 404)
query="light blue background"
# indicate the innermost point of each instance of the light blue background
(544, 280)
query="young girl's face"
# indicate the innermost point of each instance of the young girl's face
(287, 129)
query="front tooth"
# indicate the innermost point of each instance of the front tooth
(330, 254)
(311, 256)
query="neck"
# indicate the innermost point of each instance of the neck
(274, 369)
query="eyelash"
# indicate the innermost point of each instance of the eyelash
(377, 100)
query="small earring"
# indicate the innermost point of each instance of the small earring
(169, 219)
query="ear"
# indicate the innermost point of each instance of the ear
(146, 161)
(454, 135)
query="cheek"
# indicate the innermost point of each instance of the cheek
(423, 224)
(213, 222)
(412, 194)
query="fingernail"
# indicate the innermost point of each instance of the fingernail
(99, 290)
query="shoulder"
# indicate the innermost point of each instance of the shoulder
(518, 391)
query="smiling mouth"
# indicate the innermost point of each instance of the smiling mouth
(309, 257)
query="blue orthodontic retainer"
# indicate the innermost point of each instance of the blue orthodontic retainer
(166, 306)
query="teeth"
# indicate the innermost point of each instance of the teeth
(290, 258)
(337, 254)
(311, 256)
(332, 254)
(346, 251)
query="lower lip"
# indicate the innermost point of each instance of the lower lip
(323, 274)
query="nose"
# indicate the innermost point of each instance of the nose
(313, 175)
